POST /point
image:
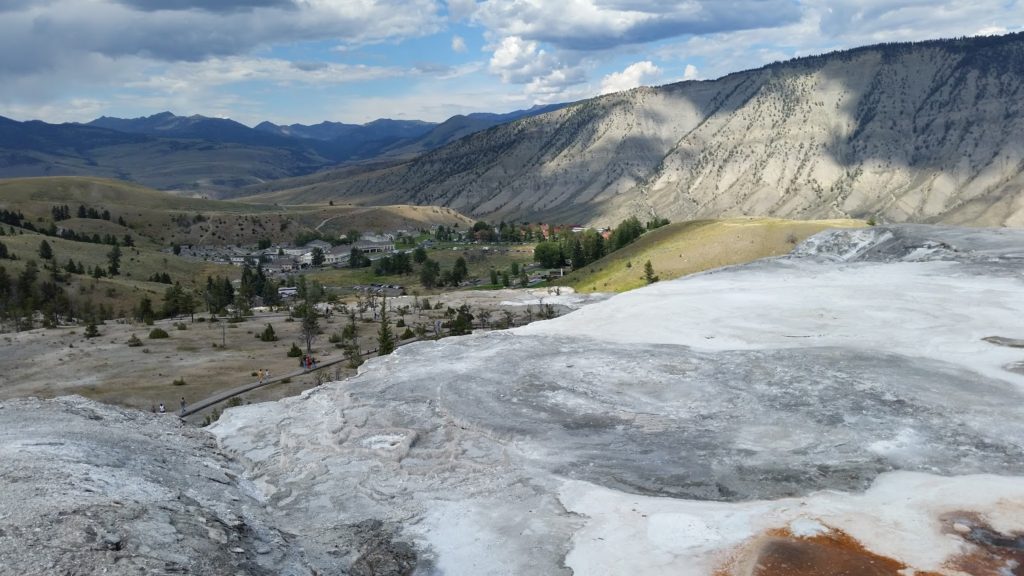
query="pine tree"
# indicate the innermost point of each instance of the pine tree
(5, 295)
(350, 341)
(318, 257)
(355, 359)
(114, 259)
(459, 271)
(268, 334)
(385, 338)
(578, 258)
(649, 273)
(429, 273)
(45, 251)
(310, 326)
(144, 311)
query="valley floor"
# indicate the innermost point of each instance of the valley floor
(212, 357)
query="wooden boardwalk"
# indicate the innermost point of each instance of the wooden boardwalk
(223, 395)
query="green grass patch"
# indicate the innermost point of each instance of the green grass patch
(689, 247)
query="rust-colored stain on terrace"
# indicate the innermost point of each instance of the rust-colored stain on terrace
(835, 553)
(993, 553)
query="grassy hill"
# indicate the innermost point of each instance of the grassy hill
(163, 219)
(690, 247)
(120, 293)
(46, 191)
(156, 220)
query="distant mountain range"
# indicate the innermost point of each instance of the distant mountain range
(928, 132)
(216, 155)
(925, 132)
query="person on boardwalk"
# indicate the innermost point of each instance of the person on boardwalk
(266, 374)
(260, 373)
(183, 405)
(162, 409)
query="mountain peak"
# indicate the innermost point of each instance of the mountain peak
(923, 131)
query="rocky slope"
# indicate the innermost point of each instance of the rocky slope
(925, 132)
(87, 489)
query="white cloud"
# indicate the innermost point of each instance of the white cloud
(519, 61)
(537, 44)
(859, 22)
(992, 31)
(636, 74)
(72, 110)
(461, 9)
(828, 25)
(545, 75)
(55, 50)
(44, 35)
(602, 24)
(191, 76)
(64, 59)
(556, 85)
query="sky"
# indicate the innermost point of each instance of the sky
(306, 61)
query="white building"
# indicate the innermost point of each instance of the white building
(375, 247)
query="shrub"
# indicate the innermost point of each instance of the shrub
(268, 334)
(91, 331)
(212, 417)
(134, 341)
(178, 382)
(400, 323)
(181, 326)
(335, 338)
(408, 334)
(294, 351)
(157, 333)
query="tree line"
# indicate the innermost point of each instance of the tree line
(578, 250)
